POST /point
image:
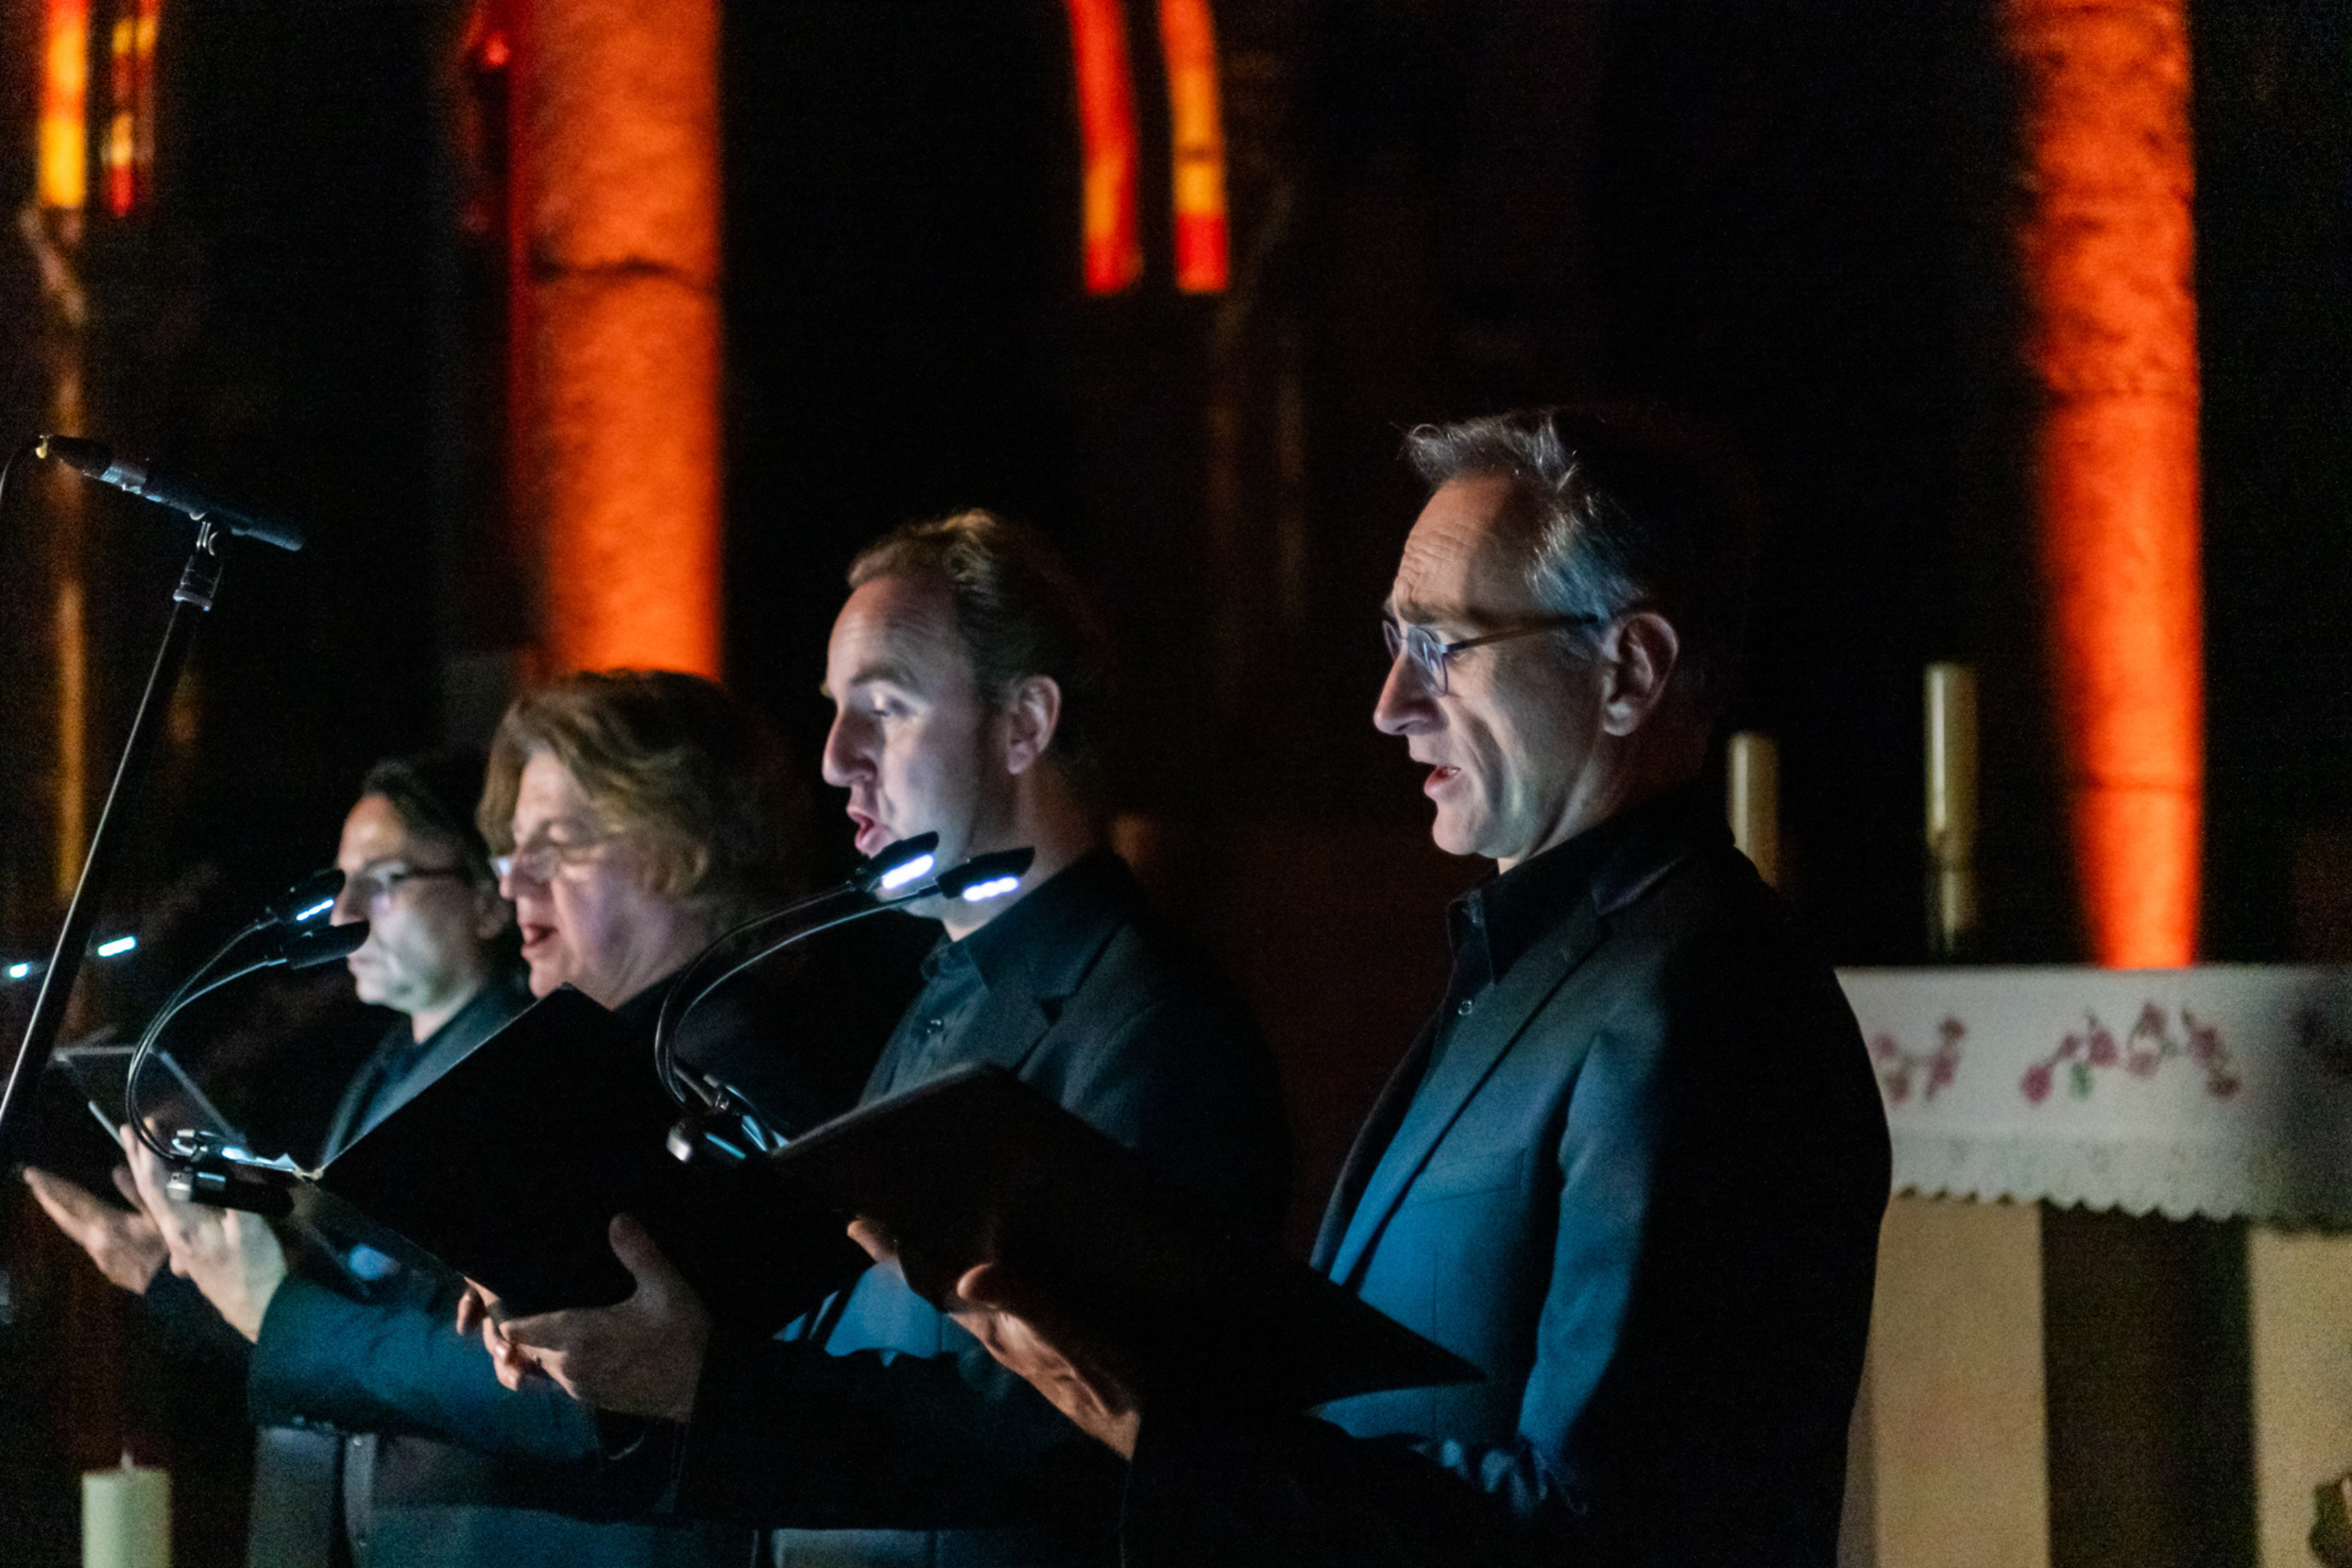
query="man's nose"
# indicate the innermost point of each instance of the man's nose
(844, 762)
(350, 909)
(1407, 703)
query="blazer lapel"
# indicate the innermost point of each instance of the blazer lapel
(1468, 1058)
(1372, 1141)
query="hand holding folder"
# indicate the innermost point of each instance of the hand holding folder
(510, 1167)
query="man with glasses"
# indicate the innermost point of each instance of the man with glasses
(1634, 1166)
(336, 1483)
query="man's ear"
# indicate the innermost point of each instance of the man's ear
(1637, 659)
(1031, 712)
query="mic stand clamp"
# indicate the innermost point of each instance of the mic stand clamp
(220, 1185)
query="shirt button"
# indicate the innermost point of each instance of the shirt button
(1464, 1008)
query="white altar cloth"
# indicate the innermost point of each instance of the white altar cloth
(2221, 1090)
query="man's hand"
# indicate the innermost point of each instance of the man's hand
(1024, 1333)
(125, 1244)
(641, 1357)
(232, 1257)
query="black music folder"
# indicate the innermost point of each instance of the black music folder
(977, 1166)
(510, 1166)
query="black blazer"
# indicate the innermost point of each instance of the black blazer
(1641, 1190)
(898, 1420)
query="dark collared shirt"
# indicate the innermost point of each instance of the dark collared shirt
(402, 1064)
(1070, 911)
(1491, 926)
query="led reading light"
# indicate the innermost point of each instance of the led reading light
(897, 877)
(121, 944)
(987, 876)
(895, 865)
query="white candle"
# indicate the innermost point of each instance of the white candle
(1951, 806)
(1753, 775)
(126, 1518)
(1951, 764)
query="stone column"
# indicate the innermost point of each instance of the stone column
(613, 397)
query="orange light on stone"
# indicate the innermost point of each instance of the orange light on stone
(1188, 36)
(2106, 247)
(62, 181)
(614, 391)
(151, 22)
(1113, 244)
(117, 156)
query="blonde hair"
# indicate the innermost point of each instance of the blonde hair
(674, 762)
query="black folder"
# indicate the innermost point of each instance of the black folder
(977, 1166)
(510, 1166)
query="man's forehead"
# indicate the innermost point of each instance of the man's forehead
(899, 631)
(1457, 560)
(372, 832)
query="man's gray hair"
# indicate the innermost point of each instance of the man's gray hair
(1616, 511)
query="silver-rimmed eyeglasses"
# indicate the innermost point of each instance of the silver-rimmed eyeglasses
(1430, 655)
(540, 862)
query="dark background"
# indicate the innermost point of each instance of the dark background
(1788, 219)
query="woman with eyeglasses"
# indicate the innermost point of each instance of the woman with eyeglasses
(635, 816)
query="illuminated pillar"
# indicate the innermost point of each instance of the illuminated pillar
(64, 96)
(613, 400)
(1114, 245)
(54, 230)
(2106, 249)
(1188, 36)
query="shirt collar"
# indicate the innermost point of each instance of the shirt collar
(1053, 932)
(1511, 910)
(501, 997)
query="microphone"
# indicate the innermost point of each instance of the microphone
(310, 949)
(95, 460)
(305, 902)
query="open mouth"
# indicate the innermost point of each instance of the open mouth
(871, 835)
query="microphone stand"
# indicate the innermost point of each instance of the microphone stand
(199, 584)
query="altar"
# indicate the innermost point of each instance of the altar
(2220, 1091)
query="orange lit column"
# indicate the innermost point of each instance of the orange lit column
(2105, 247)
(614, 401)
(1188, 35)
(1113, 245)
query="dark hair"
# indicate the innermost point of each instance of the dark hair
(1617, 508)
(674, 761)
(434, 793)
(1020, 613)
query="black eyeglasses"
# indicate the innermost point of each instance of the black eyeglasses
(1430, 656)
(376, 884)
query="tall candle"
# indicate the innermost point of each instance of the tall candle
(1753, 775)
(126, 1518)
(1951, 825)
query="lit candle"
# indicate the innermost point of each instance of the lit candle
(126, 1518)
(1951, 804)
(1753, 773)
